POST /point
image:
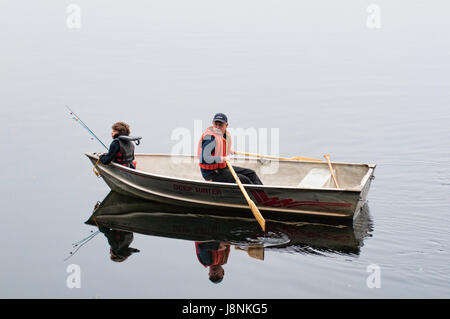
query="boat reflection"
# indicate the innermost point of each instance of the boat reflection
(119, 216)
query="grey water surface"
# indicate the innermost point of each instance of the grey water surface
(314, 70)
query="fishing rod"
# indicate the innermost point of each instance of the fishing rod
(76, 246)
(77, 118)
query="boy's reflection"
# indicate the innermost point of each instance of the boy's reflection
(120, 242)
(213, 254)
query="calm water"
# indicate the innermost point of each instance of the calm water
(314, 71)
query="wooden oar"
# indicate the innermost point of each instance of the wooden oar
(254, 209)
(327, 156)
(296, 158)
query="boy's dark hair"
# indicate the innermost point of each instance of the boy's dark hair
(121, 127)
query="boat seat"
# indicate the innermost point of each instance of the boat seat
(316, 177)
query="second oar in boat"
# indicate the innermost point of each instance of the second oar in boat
(296, 158)
(327, 156)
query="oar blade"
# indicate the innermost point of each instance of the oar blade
(256, 252)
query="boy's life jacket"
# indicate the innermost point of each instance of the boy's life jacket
(125, 156)
(121, 151)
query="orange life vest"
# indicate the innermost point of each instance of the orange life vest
(222, 147)
(217, 257)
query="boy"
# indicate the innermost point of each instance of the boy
(121, 150)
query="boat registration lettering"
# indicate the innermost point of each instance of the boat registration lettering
(202, 190)
(182, 188)
(208, 190)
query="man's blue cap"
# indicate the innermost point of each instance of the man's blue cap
(220, 117)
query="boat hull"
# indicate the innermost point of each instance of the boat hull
(330, 203)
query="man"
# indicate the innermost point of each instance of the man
(213, 254)
(121, 150)
(213, 151)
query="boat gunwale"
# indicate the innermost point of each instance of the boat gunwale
(231, 185)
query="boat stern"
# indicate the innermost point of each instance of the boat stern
(365, 186)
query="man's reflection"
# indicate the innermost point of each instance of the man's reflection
(120, 242)
(213, 254)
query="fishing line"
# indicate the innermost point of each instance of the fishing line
(80, 241)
